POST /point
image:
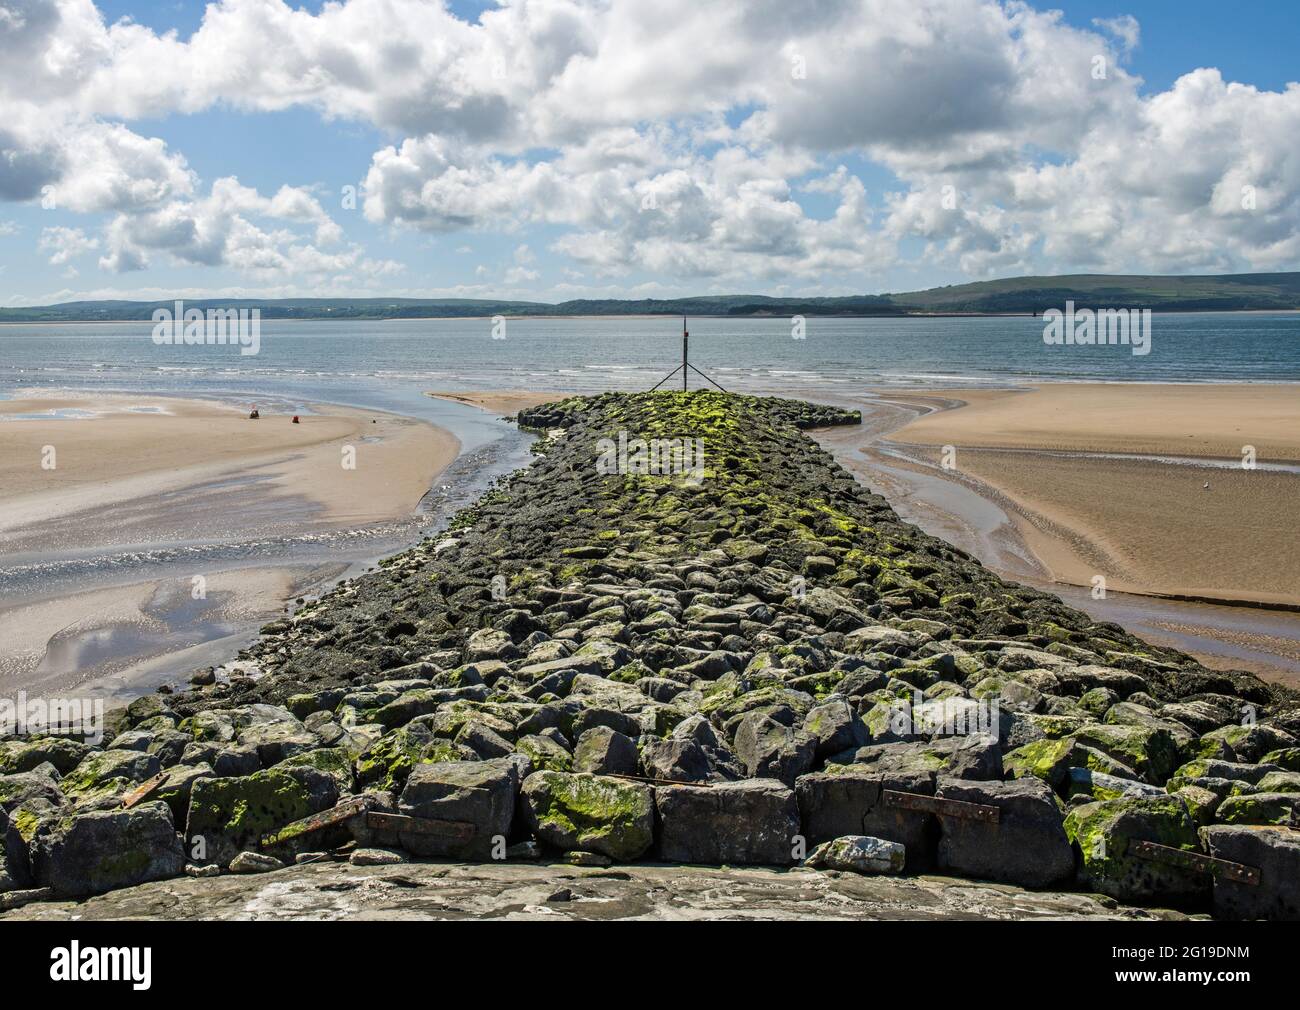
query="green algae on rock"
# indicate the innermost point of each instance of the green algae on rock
(590, 813)
(229, 815)
(747, 634)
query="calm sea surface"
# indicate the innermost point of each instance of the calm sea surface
(372, 363)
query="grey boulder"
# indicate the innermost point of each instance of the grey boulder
(1276, 853)
(604, 751)
(835, 727)
(104, 850)
(767, 749)
(850, 800)
(753, 821)
(481, 794)
(858, 854)
(676, 760)
(1027, 846)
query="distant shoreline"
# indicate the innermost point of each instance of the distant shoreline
(652, 315)
(995, 298)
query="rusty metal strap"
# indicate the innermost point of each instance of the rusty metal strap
(457, 831)
(941, 807)
(143, 791)
(316, 822)
(1238, 872)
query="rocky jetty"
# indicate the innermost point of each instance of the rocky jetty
(685, 634)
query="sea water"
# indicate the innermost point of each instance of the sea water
(380, 363)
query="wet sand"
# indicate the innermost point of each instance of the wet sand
(1201, 420)
(501, 401)
(1136, 417)
(136, 447)
(1111, 480)
(1057, 485)
(101, 554)
(106, 642)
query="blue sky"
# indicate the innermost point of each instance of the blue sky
(610, 154)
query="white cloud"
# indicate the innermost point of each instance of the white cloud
(106, 167)
(677, 138)
(1124, 28)
(65, 244)
(283, 235)
(521, 275)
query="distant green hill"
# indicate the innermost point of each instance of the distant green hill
(278, 308)
(1012, 295)
(1224, 292)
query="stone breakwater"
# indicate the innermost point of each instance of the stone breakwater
(750, 661)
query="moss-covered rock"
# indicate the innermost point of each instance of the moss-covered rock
(1243, 743)
(1046, 759)
(1104, 834)
(387, 762)
(102, 850)
(1278, 809)
(106, 773)
(176, 788)
(1279, 782)
(1152, 752)
(228, 816)
(24, 754)
(591, 813)
(333, 761)
(1201, 803)
(1287, 758)
(544, 753)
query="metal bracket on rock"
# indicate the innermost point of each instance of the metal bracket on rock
(316, 822)
(457, 831)
(1237, 872)
(943, 808)
(143, 791)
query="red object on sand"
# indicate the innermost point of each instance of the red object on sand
(295, 418)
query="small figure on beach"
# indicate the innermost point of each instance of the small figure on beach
(295, 418)
(254, 415)
(1205, 486)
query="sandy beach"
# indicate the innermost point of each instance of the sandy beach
(1090, 471)
(136, 446)
(174, 490)
(1061, 483)
(500, 401)
(1155, 419)
(111, 639)
(1053, 485)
